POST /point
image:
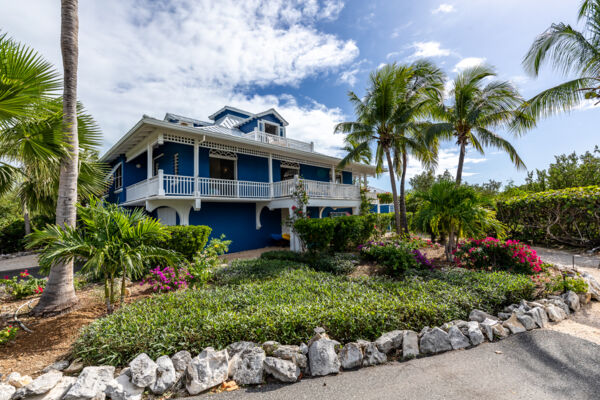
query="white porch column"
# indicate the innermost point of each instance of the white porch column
(149, 160)
(196, 166)
(270, 175)
(332, 186)
(161, 185)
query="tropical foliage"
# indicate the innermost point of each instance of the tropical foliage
(449, 209)
(110, 240)
(572, 52)
(23, 285)
(567, 216)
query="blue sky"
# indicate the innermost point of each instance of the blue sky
(300, 56)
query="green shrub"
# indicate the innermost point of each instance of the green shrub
(263, 300)
(188, 240)
(558, 284)
(567, 216)
(12, 235)
(316, 234)
(7, 334)
(282, 255)
(24, 285)
(338, 264)
(395, 257)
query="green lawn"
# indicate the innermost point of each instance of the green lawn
(261, 300)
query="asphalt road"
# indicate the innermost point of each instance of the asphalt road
(539, 364)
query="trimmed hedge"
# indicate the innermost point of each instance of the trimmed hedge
(339, 263)
(188, 240)
(568, 216)
(262, 300)
(338, 234)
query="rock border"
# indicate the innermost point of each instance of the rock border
(249, 363)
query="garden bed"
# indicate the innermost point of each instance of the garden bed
(262, 300)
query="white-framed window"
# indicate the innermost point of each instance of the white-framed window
(269, 127)
(118, 177)
(222, 164)
(288, 170)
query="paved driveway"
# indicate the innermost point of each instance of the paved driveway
(539, 364)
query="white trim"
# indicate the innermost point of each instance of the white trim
(265, 123)
(227, 155)
(228, 108)
(118, 191)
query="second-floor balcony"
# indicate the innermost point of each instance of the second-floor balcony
(264, 137)
(163, 185)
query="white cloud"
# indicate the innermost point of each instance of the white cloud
(192, 57)
(393, 54)
(397, 30)
(468, 62)
(444, 9)
(585, 105)
(429, 49)
(349, 76)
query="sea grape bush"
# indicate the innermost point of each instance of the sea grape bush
(492, 254)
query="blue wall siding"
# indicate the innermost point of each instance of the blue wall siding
(230, 112)
(135, 174)
(186, 158)
(314, 173)
(347, 177)
(248, 126)
(253, 168)
(203, 164)
(237, 222)
(276, 170)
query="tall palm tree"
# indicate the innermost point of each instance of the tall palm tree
(59, 294)
(387, 117)
(571, 52)
(476, 109)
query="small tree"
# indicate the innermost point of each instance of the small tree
(300, 198)
(110, 240)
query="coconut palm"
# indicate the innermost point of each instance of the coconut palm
(388, 117)
(59, 294)
(477, 108)
(448, 208)
(363, 155)
(571, 52)
(110, 240)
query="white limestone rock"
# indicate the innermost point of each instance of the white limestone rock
(474, 333)
(293, 354)
(572, 300)
(282, 370)
(487, 328)
(389, 341)
(513, 324)
(143, 370)
(435, 341)
(90, 384)
(457, 339)
(250, 368)
(322, 357)
(57, 366)
(6, 391)
(270, 346)
(39, 385)
(15, 379)
(122, 389)
(480, 316)
(410, 344)
(351, 356)
(58, 391)
(555, 314)
(539, 316)
(166, 375)
(372, 355)
(181, 360)
(207, 369)
(527, 321)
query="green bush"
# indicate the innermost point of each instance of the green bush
(395, 257)
(188, 240)
(12, 235)
(316, 234)
(339, 263)
(567, 216)
(282, 255)
(273, 301)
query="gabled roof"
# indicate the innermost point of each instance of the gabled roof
(262, 114)
(229, 108)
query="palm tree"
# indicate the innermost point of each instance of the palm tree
(363, 155)
(388, 117)
(111, 240)
(475, 108)
(448, 208)
(31, 150)
(571, 52)
(59, 294)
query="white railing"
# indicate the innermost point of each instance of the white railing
(177, 185)
(210, 187)
(264, 137)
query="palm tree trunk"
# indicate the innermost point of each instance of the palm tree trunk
(26, 219)
(59, 294)
(403, 194)
(123, 286)
(394, 191)
(461, 161)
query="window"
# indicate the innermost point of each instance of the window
(222, 168)
(176, 164)
(288, 173)
(119, 177)
(156, 164)
(271, 129)
(338, 177)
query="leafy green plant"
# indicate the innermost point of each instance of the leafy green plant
(396, 257)
(259, 300)
(560, 284)
(204, 263)
(286, 255)
(567, 216)
(316, 234)
(24, 285)
(112, 241)
(188, 240)
(338, 264)
(7, 334)
(338, 234)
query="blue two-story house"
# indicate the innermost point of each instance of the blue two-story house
(235, 174)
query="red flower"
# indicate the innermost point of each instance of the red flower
(39, 290)
(6, 277)
(293, 207)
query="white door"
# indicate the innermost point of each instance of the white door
(167, 216)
